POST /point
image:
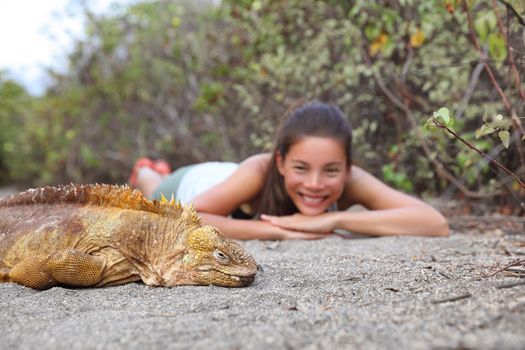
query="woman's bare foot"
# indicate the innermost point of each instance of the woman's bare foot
(147, 175)
(139, 164)
(148, 180)
(162, 167)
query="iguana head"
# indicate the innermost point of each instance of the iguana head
(211, 258)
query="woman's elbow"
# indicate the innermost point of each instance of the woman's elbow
(441, 227)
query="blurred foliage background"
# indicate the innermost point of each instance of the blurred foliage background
(197, 80)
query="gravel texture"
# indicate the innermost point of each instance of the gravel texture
(360, 293)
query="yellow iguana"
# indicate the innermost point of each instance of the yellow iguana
(103, 235)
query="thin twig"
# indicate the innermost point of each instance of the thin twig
(510, 285)
(407, 64)
(444, 275)
(506, 101)
(454, 298)
(440, 168)
(516, 270)
(483, 154)
(515, 263)
(513, 11)
(517, 124)
(510, 56)
(471, 87)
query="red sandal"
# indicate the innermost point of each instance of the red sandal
(139, 164)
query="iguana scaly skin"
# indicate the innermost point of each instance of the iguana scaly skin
(102, 235)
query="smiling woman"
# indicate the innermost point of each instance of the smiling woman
(299, 191)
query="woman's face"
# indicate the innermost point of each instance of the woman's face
(314, 170)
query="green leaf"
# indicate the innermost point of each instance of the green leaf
(504, 136)
(442, 115)
(429, 125)
(256, 5)
(485, 129)
(484, 24)
(175, 22)
(497, 47)
(372, 32)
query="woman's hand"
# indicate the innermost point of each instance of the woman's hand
(282, 233)
(255, 229)
(324, 223)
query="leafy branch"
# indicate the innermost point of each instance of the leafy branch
(442, 120)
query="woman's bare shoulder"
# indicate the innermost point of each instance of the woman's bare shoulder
(357, 174)
(357, 170)
(366, 189)
(239, 188)
(258, 162)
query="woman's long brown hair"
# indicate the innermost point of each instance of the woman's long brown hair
(308, 119)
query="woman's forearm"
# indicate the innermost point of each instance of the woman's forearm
(416, 220)
(239, 229)
(254, 229)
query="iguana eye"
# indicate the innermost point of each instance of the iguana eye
(223, 258)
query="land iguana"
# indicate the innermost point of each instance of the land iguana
(104, 235)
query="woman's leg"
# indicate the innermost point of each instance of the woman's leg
(148, 180)
(147, 175)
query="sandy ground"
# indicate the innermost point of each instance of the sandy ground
(358, 293)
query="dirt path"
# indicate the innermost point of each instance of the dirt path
(373, 293)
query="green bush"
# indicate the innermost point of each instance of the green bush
(190, 81)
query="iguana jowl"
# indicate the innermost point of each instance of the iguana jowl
(103, 235)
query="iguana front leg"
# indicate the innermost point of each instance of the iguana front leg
(69, 267)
